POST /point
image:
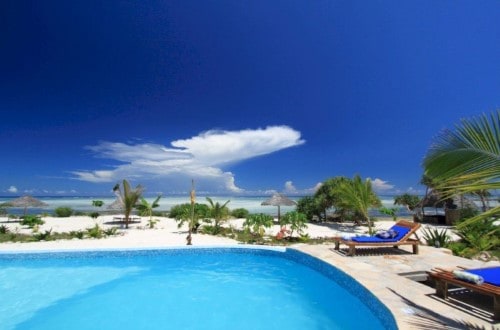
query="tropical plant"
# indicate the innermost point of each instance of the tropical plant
(256, 223)
(31, 221)
(407, 200)
(240, 213)
(310, 207)
(296, 220)
(127, 197)
(110, 231)
(4, 229)
(481, 235)
(95, 232)
(327, 196)
(392, 212)
(358, 196)
(77, 234)
(435, 237)
(45, 236)
(146, 209)
(467, 160)
(63, 212)
(218, 212)
(179, 211)
(152, 223)
(483, 197)
(96, 203)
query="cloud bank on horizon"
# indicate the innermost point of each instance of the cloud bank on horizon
(201, 157)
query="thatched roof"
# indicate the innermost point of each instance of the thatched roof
(116, 205)
(25, 201)
(279, 200)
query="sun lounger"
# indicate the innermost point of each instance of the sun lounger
(404, 229)
(490, 286)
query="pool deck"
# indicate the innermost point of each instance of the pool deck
(413, 304)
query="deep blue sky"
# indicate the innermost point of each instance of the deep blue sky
(259, 95)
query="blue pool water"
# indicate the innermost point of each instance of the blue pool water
(202, 288)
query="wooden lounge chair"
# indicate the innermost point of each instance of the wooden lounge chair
(404, 229)
(490, 287)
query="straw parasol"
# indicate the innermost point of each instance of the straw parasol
(25, 201)
(116, 205)
(279, 200)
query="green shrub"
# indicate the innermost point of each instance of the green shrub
(45, 236)
(435, 237)
(310, 207)
(296, 221)
(184, 210)
(63, 212)
(152, 223)
(211, 230)
(95, 232)
(256, 223)
(94, 215)
(392, 212)
(467, 213)
(240, 213)
(77, 234)
(110, 231)
(31, 221)
(480, 236)
(4, 229)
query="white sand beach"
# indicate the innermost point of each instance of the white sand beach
(139, 235)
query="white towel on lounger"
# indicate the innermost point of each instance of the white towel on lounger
(469, 277)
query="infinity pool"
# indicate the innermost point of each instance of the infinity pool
(196, 288)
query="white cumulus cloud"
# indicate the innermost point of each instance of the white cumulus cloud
(381, 185)
(12, 189)
(200, 157)
(290, 188)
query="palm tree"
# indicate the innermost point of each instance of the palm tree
(128, 198)
(407, 200)
(327, 196)
(483, 196)
(467, 160)
(359, 196)
(146, 209)
(218, 212)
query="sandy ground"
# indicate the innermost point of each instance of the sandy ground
(165, 233)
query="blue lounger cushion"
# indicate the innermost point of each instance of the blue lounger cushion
(491, 275)
(402, 231)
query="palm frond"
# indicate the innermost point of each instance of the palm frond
(468, 158)
(491, 213)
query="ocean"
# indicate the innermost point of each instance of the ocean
(251, 203)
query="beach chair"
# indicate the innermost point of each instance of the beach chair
(403, 229)
(489, 284)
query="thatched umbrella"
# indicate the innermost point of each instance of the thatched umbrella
(278, 200)
(116, 205)
(25, 201)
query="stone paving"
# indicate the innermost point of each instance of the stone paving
(413, 304)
